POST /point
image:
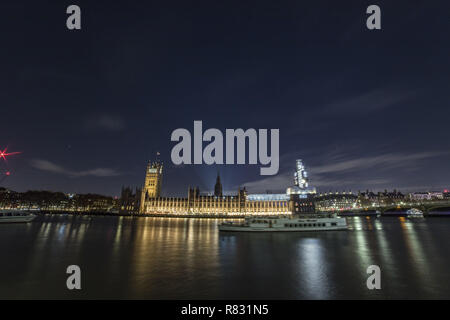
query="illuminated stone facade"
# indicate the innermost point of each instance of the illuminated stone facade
(152, 184)
(196, 203)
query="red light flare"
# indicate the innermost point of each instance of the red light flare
(4, 153)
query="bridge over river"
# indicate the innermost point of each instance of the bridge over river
(427, 207)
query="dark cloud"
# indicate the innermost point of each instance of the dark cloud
(375, 100)
(49, 166)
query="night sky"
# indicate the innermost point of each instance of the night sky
(364, 109)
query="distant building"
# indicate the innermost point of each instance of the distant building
(197, 203)
(194, 203)
(300, 175)
(298, 199)
(419, 196)
(56, 201)
(129, 201)
(301, 195)
(369, 198)
(93, 203)
(9, 199)
(335, 201)
(423, 196)
(390, 197)
(369, 195)
(437, 195)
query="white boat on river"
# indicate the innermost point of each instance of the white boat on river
(286, 223)
(16, 216)
(414, 213)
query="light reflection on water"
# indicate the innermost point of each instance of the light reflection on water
(160, 258)
(311, 262)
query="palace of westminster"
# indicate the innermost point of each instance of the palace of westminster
(297, 199)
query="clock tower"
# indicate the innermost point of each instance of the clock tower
(153, 181)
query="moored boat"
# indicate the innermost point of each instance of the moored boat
(286, 223)
(414, 213)
(16, 216)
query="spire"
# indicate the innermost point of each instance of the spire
(218, 187)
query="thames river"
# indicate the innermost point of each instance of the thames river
(172, 258)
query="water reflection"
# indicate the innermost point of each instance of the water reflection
(158, 258)
(415, 250)
(363, 249)
(387, 257)
(312, 263)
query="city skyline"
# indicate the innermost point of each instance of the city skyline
(365, 109)
(300, 197)
(290, 179)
